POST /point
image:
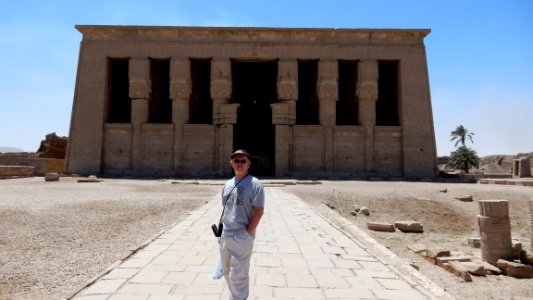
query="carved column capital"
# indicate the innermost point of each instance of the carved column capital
(139, 78)
(180, 81)
(328, 91)
(367, 81)
(220, 79)
(287, 86)
(328, 80)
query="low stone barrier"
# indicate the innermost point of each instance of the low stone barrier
(16, 171)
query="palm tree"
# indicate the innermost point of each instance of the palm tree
(463, 158)
(461, 134)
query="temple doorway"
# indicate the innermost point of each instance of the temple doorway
(254, 88)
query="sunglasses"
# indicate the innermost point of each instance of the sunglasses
(239, 161)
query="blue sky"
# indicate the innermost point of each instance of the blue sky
(480, 56)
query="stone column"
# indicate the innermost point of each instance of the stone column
(220, 86)
(367, 95)
(328, 94)
(139, 92)
(224, 149)
(180, 92)
(224, 113)
(227, 119)
(284, 113)
(287, 87)
(283, 150)
(495, 230)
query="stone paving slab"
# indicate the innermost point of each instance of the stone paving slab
(298, 254)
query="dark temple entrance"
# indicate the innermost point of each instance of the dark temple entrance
(254, 87)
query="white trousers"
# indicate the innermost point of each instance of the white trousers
(235, 255)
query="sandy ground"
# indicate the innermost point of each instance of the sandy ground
(447, 224)
(55, 236)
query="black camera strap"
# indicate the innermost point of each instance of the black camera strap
(227, 198)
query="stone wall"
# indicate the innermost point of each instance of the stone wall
(39, 165)
(140, 147)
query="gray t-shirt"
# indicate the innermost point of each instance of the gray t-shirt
(239, 201)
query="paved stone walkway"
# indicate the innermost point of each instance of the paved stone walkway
(297, 255)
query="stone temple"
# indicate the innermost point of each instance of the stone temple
(313, 103)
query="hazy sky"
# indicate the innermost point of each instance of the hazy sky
(480, 56)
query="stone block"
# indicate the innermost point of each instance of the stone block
(446, 259)
(387, 227)
(409, 226)
(457, 270)
(418, 248)
(434, 253)
(16, 171)
(470, 267)
(465, 198)
(364, 210)
(514, 269)
(489, 268)
(517, 249)
(51, 177)
(474, 242)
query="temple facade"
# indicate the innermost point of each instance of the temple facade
(323, 103)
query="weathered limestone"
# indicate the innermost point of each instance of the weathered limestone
(409, 226)
(114, 132)
(16, 171)
(377, 226)
(474, 242)
(53, 146)
(514, 269)
(495, 230)
(465, 198)
(51, 177)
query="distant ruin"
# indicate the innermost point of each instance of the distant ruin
(177, 101)
(50, 157)
(521, 167)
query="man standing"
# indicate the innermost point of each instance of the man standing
(243, 199)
